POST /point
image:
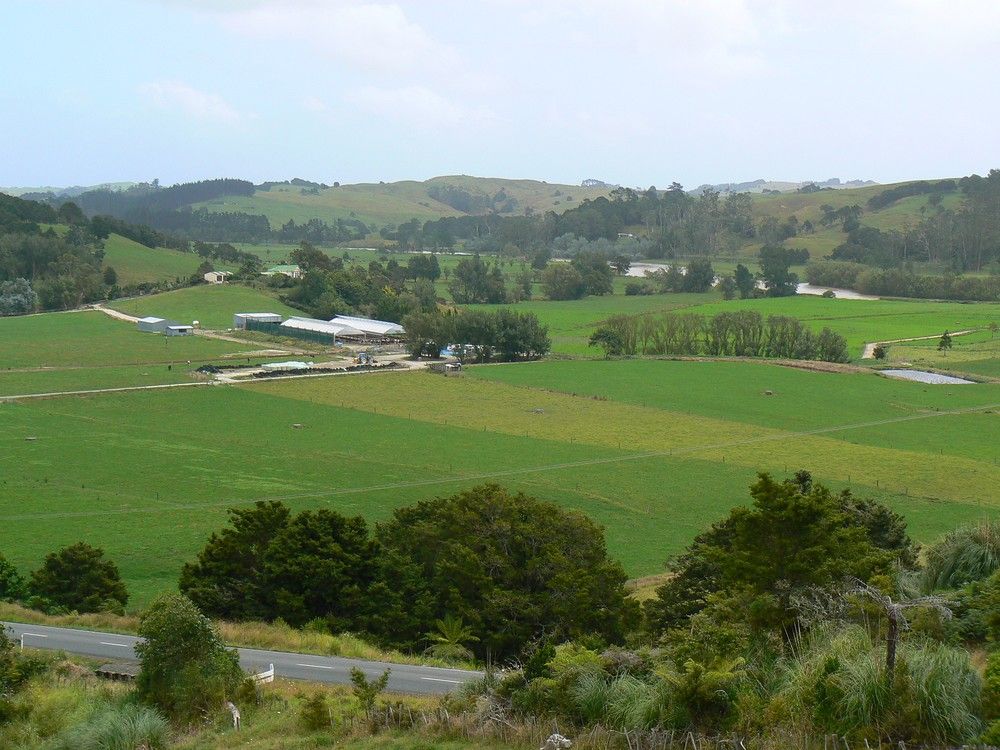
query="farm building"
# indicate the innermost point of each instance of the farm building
(369, 327)
(321, 327)
(217, 277)
(153, 325)
(179, 330)
(240, 319)
(292, 272)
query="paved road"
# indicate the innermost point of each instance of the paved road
(404, 678)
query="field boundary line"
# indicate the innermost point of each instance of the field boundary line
(481, 476)
(95, 391)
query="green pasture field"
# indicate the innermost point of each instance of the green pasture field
(21, 382)
(93, 339)
(212, 305)
(860, 321)
(135, 263)
(148, 475)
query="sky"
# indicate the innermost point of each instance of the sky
(635, 92)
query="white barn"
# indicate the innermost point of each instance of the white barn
(328, 327)
(369, 327)
(217, 277)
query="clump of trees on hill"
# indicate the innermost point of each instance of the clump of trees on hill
(77, 578)
(742, 333)
(502, 335)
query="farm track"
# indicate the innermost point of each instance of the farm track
(869, 352)
(484, 476)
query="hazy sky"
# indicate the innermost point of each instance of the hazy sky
(638, 92)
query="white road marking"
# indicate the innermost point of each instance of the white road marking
(438, 679)
(33, 635)
(315, 666)
(119, 645)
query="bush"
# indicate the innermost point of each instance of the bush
(79, 578)
(186, 670)
(315, 713)
(967, 554)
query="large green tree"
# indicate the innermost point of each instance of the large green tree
(227, 580)
(796, 536)
(512, 567)
(80, 578)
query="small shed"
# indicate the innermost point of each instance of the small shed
(152, 324)
(217, 277)
(240, 319)
(179, 330)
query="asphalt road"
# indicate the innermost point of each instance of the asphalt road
(403, 678)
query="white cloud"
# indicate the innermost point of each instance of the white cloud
(179, 96)
(417, 105)
(371, 37)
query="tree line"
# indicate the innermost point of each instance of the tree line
(502, 335)
(741, 333)
(903, 282)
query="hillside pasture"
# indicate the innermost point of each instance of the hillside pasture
(135, 263)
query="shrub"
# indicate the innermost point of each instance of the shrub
(186, 671)
(79, 578)
(315, 713)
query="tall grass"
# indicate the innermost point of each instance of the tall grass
(967, 554)
(124, 727)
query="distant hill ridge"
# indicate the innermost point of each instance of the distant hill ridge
(760, 186)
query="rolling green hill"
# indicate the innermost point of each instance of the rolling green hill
(398, 202)
(135, 263)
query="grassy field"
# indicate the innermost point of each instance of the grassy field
(86, 350)
(92, 339)
(135, 263)
(654, 451)
(859, 321)
(212, 305)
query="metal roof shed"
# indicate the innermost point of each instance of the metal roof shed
(153, 324)
(240, 319)
(330, 328)
(369, 326)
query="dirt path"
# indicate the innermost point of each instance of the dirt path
(115, 314)
(869, 352)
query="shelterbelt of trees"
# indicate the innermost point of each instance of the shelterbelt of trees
(804, 613)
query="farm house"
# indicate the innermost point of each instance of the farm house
(217, 277)
(240, 320)
(153, 324)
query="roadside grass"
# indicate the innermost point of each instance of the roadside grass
(135, 263)
(91, 338)
(212, 305)
(275, 636)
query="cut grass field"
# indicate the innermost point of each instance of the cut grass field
(654, 451)
(212, 305)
